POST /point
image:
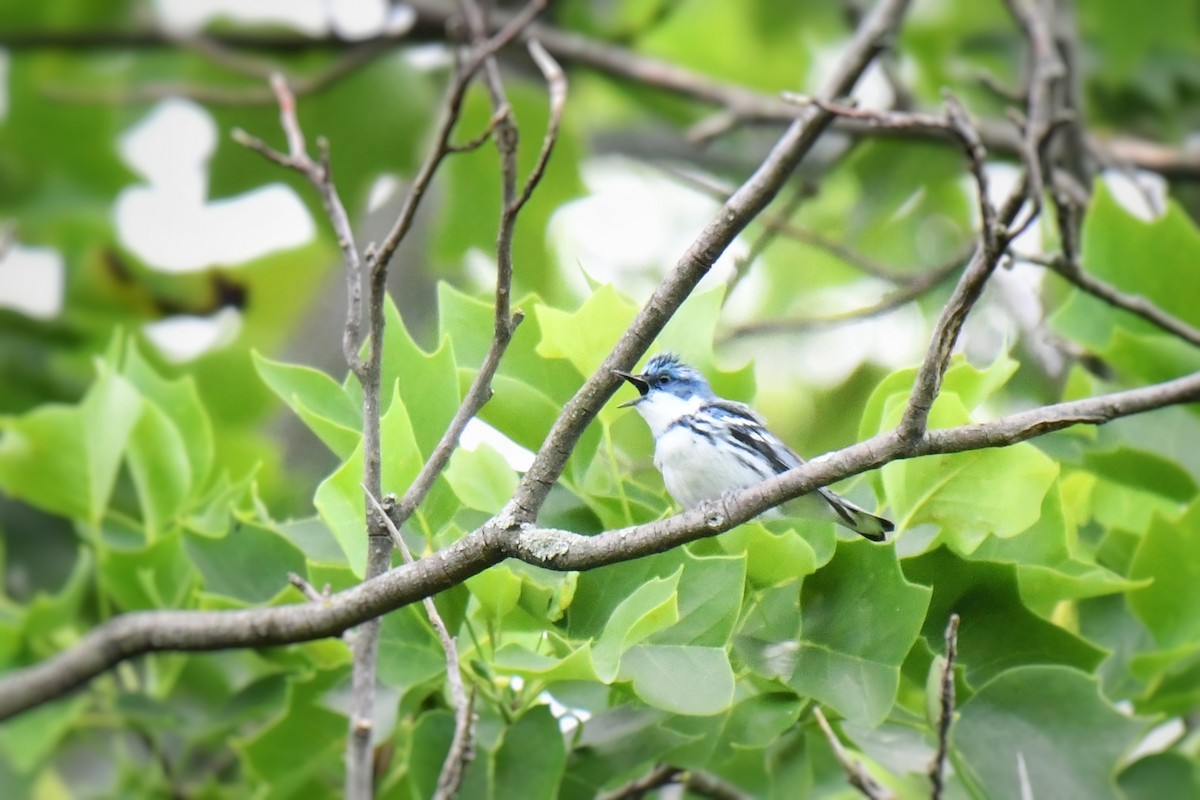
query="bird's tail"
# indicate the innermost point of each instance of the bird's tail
(859, 520)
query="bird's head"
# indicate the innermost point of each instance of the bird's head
(668, 389)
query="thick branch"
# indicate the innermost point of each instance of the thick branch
(136, 633)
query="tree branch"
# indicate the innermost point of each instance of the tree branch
(856, 773)
(462, 749)
(753, 196)
(937, 770)
(136, 633)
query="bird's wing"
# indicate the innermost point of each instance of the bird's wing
(748, 430)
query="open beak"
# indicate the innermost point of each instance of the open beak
(638, 383)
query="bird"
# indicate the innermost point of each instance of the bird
(706, 446)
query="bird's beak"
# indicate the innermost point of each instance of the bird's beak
(638, 383)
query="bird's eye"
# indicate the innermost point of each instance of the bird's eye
(662, 380)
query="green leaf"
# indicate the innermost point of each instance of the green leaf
(1054, 722)
(305, 727)
(481, 478)
(159, 575)
(249, 564)
(339, 498)
(30, 738)
(496, 590)
(64, 459)
(1169, 554)
(576, 665)
(1144, 470)
(160, 468)
(428, 382)
(650, 608)
(180, 401)
(317, 399)
(409, 653)
(759, 720)
(986, 597)
(709, 600)
(1168, 774)
(971, 385)
(585, 336)
(959, 492)
(681, 679)
(1113, 239)
(771, 558)
(51, 618)
(532, 758)
(859, 617)
(431, 738)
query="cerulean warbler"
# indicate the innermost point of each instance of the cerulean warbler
(705, 446)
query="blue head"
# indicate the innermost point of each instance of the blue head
(669, 389)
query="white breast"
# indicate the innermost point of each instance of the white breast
(694, 469)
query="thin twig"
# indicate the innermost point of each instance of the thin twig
(698, 783)
(1043, 112)
(956, 115)
(478, 141)
(783, 226)
(661, 775)
(556, 83)
(320, 174)
(937, 770)
(505, 320)
(894, 300)
(308, 590)
(1023, 778)
(452, 105)
(856, 773)
(347, 64)
(772, 227)
(462, 749)
(1134, 304)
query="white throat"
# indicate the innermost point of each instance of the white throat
(661, 410)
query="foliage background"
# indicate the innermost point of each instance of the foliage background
(131, 481)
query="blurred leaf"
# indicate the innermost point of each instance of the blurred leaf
(181, 403)
(159, 575)
(317, 399)
(250, 563)
(1169, 553)
(1112, 240)
(1052, 719)
(409, 653)
(496, 590)
(585, 336)
(64, 459)
(531, 759)
(305, 727)
(481, 478)
(29, 739)
(1166, 774)
(159, 465)
(1143, 470)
